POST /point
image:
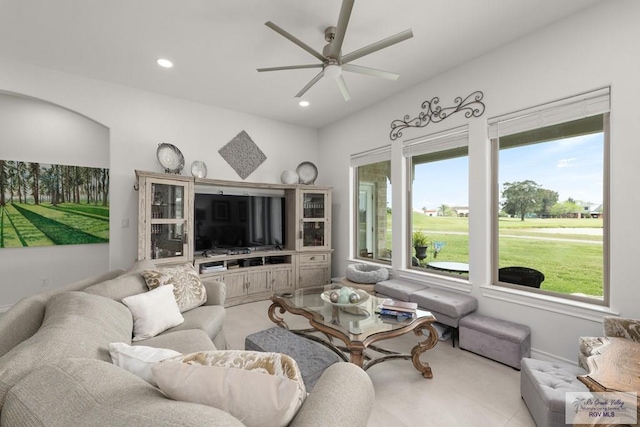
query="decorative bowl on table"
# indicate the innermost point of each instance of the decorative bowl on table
(361, 297)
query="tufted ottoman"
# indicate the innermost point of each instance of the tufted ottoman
(312, 358)
(500, 340)
(543, 386)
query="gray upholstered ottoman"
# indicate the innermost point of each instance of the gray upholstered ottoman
(543, 386)
(500, 340)
(312, 358)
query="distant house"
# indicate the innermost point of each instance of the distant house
(461, 211)
(590, 210)
(598, 212)
(430, 212)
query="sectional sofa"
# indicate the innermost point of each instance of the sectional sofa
(56, 369)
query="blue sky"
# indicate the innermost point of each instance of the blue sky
(572, 167)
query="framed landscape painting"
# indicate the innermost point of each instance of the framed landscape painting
(48, 205)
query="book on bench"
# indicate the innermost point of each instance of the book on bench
(404, 306)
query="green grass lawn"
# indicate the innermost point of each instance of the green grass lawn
(571, 262)
(23, 224)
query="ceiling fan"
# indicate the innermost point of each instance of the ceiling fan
(332, 62)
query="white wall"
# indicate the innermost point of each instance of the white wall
(138, 121)
(587, 51)
(32, 130)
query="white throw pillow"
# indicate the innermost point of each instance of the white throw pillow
(260, 389)
(153, 312)
(139, 359)
(187, 287)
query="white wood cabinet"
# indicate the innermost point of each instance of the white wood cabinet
(165, 217)
(166, 235)
(314, 269)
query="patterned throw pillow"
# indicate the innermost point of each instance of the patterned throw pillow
(258, 388)
(187, 287)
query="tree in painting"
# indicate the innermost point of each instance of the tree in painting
(44, 205)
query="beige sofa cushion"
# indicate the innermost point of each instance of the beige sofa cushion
(187, 287)
(185, 342)
(75, 324)
(208, 318)
(25, 317)
(99, 394)
(260, 389)
(128, 283)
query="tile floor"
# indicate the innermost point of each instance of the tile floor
(466, 389)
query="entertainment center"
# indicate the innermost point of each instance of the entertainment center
(256, 238)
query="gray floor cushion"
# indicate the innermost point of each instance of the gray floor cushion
(312, 358)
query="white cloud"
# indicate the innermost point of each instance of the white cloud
(565, 163)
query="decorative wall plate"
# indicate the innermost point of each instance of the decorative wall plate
(170, 158)
(199, 169)
(307, 173)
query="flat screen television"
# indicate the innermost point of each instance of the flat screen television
(230, 221)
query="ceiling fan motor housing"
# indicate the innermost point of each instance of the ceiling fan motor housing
(329, 34)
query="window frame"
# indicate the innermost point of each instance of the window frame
(439, 146)
(370, 157)
(560, 112)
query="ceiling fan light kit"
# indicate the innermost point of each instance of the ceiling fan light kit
(333, 63)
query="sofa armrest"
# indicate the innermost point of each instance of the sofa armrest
(622, 328)
(216, 292)
(343, 396)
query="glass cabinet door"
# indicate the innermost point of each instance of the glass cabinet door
(167, 221)
(314, 218)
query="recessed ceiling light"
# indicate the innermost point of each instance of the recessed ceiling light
(303, 103)
(165, 63)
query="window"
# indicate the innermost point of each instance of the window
(550, 195)
(372, 173)
(439, 202)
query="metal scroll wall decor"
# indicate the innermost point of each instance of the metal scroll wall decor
(433, 113)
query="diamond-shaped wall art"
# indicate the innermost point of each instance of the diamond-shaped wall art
(242, 154)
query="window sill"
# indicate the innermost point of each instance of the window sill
(440, 280)
(549, 303)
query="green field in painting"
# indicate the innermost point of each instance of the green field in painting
(45, 225)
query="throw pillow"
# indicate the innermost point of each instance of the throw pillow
(187, 287)
(153, 312)
(260, 389)
(139, 359)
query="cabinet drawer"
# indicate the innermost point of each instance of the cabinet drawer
(313, 258)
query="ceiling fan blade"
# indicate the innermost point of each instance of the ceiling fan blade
(374, 47)
(341, 28)
(290, 67)
(295, 40)
(369, 71)
(342, 85)
(311, 83)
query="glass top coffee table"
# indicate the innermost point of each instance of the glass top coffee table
(357, 326)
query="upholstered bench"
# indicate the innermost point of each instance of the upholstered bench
(447, 306)
(543, 386)
(500, 340)
(312, 358)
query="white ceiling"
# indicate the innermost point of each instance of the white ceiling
(217, 45)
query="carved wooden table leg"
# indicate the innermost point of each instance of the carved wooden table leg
(356, 354)
(422, 346)
(277, 318)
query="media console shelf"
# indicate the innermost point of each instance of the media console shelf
(169, 218)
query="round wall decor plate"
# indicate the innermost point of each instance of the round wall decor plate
(170, 158)
(307, 172)
(198, 169)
